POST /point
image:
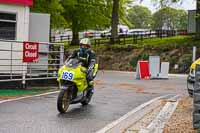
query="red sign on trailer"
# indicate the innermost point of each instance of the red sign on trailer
(20, 2)
(30, 51)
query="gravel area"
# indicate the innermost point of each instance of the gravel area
(145, 121)
(181, 120)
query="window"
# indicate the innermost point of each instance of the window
(7, 26)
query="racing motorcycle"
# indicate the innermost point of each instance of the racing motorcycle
(73, 84)
(191, 77)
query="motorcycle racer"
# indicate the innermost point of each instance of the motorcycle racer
(88, 58)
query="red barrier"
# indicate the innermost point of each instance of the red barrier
(143, 70)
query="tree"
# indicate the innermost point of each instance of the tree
(118, 10)
(84, 14)
(115, 21)
(169, 18)
(164, 18)
(123, 14)
(198, 20)
(140, 17)
(78, 15)
(182, 20)
(54, 8)
(165, 2)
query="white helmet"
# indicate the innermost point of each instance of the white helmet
(85, 41)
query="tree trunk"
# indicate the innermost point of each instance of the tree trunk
(115, 21)
(198, 20)
(75, 37)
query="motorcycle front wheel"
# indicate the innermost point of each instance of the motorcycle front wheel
(63, 101)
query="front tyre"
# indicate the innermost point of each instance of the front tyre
(63, 101)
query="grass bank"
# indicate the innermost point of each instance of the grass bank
(177, 50)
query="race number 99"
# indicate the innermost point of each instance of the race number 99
(67, 75)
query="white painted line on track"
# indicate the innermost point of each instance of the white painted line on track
(178, 75)
(25, 97)
(116, 122)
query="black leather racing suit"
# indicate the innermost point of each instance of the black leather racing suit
(88, 59)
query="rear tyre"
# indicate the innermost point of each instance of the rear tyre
(190, 87)
(190, 92)
(88, 97)
(63, 101)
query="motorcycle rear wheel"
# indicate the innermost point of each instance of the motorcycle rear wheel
(63, 101)
(88, 98)
(190, 87)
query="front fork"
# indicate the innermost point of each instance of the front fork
(69, 88)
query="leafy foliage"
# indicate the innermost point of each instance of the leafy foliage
(166, 3)
(140, 17)
(52, 7)
(182, 19)
(170, 18)
(123, 17)
(85, 14)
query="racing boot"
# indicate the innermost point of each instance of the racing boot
(90, 88)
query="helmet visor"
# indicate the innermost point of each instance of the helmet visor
(84, 45)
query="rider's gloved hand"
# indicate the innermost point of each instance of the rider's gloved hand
(90, 74)
(90, 70)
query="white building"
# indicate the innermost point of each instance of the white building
(17, 24)
(14, 19)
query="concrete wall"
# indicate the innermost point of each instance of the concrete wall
(39, 27)
(39, 31)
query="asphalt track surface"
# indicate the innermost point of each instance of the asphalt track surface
(116, 93)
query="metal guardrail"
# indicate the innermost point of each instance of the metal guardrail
(12, 68)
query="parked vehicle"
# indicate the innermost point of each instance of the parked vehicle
(89, 34)
(92, 34)
(191, 77)
(122, 31)
(106, 33)
(133, 32)
(73, 85)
